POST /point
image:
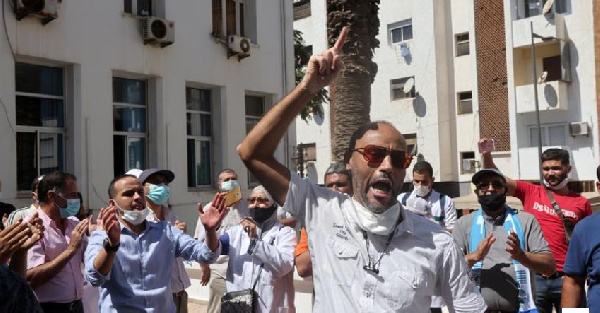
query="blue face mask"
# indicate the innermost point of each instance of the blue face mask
(72, 208)
(229, 185)
(159, 194)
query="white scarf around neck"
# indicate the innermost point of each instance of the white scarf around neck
(379, 224)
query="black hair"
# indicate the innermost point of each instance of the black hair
(53, 181)
(422, 167)
(111, 185)
(555, 154)
(359, 133)
(35, 183)
(598, 173)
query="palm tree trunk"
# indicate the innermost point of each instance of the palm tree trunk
(350, 93)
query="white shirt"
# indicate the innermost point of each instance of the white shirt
(422, 259)
(275, 287)
(446, 218)
(179, 278)
(233, 218)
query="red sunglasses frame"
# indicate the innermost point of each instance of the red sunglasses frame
(400, 159)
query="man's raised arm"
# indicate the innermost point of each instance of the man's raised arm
(258, 148)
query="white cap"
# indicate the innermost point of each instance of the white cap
(135, 172)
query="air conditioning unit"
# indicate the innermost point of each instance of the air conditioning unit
(157, 31)
(579, 129)
(46, 10)
(239, 46)
(469, 165)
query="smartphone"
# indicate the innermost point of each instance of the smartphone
(233, 197)
(487, 146)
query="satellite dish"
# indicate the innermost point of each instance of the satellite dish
(542, 78)
(409, 85)
(547, 7)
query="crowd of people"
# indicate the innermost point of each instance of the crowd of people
(367, 246)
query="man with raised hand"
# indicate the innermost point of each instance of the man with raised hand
(556, 208)
(374, 256)
(132, 258)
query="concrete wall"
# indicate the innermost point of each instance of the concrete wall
(95, 40)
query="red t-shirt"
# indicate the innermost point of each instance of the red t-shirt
(535, 201)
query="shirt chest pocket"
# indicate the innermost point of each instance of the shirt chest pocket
(342, 265)
(405, 286)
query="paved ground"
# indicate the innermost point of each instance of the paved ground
(194, 307)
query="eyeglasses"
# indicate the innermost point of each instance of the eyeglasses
(374, 156)
(258, 200)
(484, 185)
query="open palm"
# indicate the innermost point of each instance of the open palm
(212, 217)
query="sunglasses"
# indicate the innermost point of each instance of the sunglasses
(484, 185)
(258, 200)
(374, 155)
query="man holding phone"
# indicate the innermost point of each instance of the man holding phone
(502, 246)
(238, 208)
(556, 208)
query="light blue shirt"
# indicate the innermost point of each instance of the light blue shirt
(140, 277)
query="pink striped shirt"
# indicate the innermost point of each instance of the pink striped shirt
(67, 285)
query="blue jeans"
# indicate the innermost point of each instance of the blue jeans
(548, 293)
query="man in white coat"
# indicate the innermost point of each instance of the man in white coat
(262, 249)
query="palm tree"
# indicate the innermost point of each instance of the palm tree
(350, 93)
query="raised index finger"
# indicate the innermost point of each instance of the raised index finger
(339, 44)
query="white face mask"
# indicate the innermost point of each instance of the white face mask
(229, 185)
(132, 216)
(422, 190)
(560, 185)
(379, 224)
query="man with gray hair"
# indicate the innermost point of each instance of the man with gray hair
(337, 178)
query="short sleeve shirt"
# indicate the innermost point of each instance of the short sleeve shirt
(498, 279)
(535, 201)
(583, 257)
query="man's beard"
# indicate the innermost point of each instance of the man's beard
(364, 198)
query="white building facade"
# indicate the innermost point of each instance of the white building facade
(84, 93)
(432, 45)
(425, 50)
(566, 80)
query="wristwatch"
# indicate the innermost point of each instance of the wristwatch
(108, 247)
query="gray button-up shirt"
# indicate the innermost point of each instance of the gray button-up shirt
(421, 260)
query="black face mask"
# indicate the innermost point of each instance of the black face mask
(261, 215)
(492, 202)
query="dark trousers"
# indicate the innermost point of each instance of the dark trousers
(548, 293)
(73, 307)
(436, 310)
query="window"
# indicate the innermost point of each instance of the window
(400, 31)
(255, 109)
(411, 143)
(552, 65)
(462, 44)
(468, 162)
(535, 7)
(40, 112)
(465, 102)
(397, 88)
(129, 124)
(552, 135)
(199, 136)
(229, 18)
(139, 7)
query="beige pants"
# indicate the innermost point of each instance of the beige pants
(217, 290)
(181, 301)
